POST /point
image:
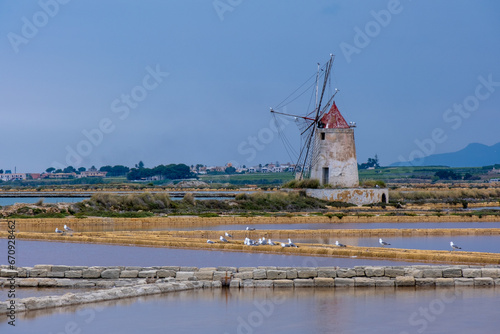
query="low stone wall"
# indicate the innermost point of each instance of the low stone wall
(124, 282)
(358, 196)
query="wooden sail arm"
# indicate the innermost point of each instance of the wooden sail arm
(281, 113)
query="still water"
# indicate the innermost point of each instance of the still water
(381, 310)
(469, 243)
(29, 253)
(31, 200)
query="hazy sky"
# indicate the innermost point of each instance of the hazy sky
(90, 82)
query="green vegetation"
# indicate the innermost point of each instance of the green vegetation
(306, 183)
(168, 172)
(260, 179)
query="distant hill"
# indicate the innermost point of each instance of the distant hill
(474, 155)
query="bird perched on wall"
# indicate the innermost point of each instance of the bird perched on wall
(453, 246)
(291, 244)
(67, 229)
(60, 232)
(250, 229)
(228, 235)
(210, 242)
(337, 243)
(223, 239)
(383, 243)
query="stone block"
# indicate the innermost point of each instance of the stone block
(247, 283)
(328, 273)
(59, 268)
(448, 281)
(244, 275)
(267, 267)
(307, 272)
(291, 273)
(8, 273)
(276, 274)
(28, 282)
(183, 275)
(303, 282)
(220, 275)
(73, 274)
(405, 281)
(55, 274)
(384, 282)
(22, 272)
(263, 283)
(163, 273)
(283, 283)
(483, 281)
(452, 272)
(148, 273)
(46, 267)
(235, 283)
(174, 268)
(188, 269)
(243, 269)
(490, 272)
(111, 274)
(346, 273)
(425, 282)
(259, 274)
(360, 271)
(363, 281)
(342, 282)
(414, 272)
(394, 272)
(129, 273)
(432, 273)
(79, 267)
(207, 269)
(205, 275)
(324, 282)
(47, 282)
(85, 284)
(65, 283)
(464, 281)
(374, 271)
(471, 273)
(37, 273)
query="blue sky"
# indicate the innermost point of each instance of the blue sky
(114, 82)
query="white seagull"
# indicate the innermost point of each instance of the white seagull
(228, 235)
(250, 229)
(339, 244)
(270, 243)
(67, 228)
(383, 243)
(453, 246)
(284, 245)
(223, 239)
(210, 242)
(291, 244)
(59, 231)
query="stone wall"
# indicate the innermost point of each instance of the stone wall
(126, 282)
(358, 196)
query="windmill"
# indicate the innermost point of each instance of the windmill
(327, 152)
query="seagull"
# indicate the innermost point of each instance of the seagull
(228, 235)
(270, 243)
(59, 231)
(250, 229)
(339, 244)
(210, 242)
(223, 239)
(67, 228)
(284, 245)
(453, 246)
(383, 243)
(291, 244)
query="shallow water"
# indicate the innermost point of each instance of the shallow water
(31, 200)
(29, 253)
(469, 243)
(360, 310)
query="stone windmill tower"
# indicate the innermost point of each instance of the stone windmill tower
(334, 157)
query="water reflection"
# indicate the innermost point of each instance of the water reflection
(30, 253)
(460, 310)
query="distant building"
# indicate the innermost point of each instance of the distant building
(92, 172)
(58, 175)
(12, 176)
(494, 180)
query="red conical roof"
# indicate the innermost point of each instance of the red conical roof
(333, 119)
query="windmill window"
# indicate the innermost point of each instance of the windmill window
(322, 136)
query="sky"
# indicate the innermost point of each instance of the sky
(117, 82)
